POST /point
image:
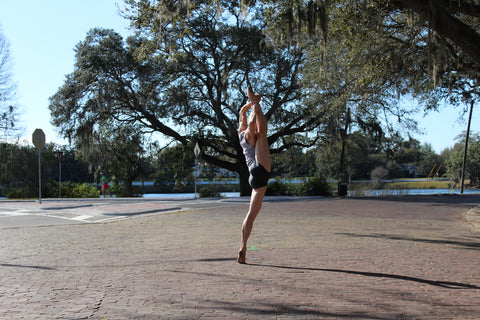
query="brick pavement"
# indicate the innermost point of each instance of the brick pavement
(401, 258)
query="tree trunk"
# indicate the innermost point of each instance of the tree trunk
(342, 175)
(129, 187)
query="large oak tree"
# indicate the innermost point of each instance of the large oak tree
(187, 81)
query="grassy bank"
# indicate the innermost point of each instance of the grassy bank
(420, 184)
(409, 184)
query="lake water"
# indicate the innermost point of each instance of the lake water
(404, 192)
(187, 195)
(363, 193)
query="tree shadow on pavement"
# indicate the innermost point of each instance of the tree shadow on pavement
(472, 245)
(266, 309)
(443, 284)
(465, 200)
(25, 266)
(217, 259)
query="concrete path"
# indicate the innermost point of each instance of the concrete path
(385, 258)
(72, 211)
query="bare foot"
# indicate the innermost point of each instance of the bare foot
(254, 98)
(241, 257)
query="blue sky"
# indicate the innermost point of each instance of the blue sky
(42, 37)
(43, 34)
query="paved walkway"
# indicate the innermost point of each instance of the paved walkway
(398, 258)
(53, 211)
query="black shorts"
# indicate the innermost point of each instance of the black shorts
(258, 176)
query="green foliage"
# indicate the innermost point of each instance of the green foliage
(376, 55)
(120, 190)
(314, 187)
(19, 166)
(208, 192)
(454, 161)
(413, 46)
(277, 188)
(395, 170)
(294, 163)
(84, 191)
(430, 163)
(474, 162)
(79, 190)
(16, 193)
(175, 163)
(51, 190)
(122, 153)
(420, 184)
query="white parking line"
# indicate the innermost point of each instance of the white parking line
(19, 212)
(81, 218)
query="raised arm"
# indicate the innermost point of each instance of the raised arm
(242, 118)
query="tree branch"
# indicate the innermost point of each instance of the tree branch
(446, 25)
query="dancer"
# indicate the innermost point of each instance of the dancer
(253, 139)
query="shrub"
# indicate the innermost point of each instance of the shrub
(277, 188)
(77, 190)
(207, 192)
(17, 194)
(314, 187)
(85, 191)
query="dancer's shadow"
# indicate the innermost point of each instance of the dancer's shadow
(443, 284)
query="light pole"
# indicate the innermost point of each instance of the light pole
(60, 156)
(196, 151)
(464, 164)
(38, 139)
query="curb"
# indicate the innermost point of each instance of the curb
(140, 212)
(66, 207)
(273, 198)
